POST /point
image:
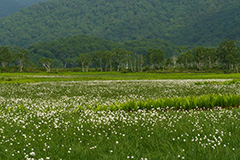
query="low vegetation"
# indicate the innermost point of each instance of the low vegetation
(64, 120)
(83, 76)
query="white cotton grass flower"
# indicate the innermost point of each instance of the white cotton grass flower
(32, 153)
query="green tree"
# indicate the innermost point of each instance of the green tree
(226, 52)
(127, 58)
(5, 56)
(186, 58)
(155, 57)
(109, 60)
(22, 56)
(150, 58)
(159, 57)
(89, 60)
(46, 63)
(85, 59)
(210, 55)
(82, 59)
(140, 60)
(118, 55)
(99, 57)
(198, 54)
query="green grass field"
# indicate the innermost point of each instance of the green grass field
(60, 116)
(80, 76)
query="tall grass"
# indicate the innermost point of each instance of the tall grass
(190, 102)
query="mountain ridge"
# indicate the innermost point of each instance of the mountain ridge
(8, 7)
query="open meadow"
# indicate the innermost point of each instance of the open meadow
(119, 116)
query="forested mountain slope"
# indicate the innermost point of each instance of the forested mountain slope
(180, 21)
(70, 48)
(7, 7)
(213, 28)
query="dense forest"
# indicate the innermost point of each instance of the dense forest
(212, 28)
(183, 22)
(62, 49)
(7, 7)
(132, 56)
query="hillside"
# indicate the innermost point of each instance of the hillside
(7, 7)
(182, 22)
(69, 48)
(214, 28)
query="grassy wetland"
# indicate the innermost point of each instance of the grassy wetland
(120, 117)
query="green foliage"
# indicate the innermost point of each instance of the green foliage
(42, 76)
(231, 82)
(194, 22)
(191, 102)
(56, 120)
(228, 53)
(210, 28)
(70, 48)
(46, 62)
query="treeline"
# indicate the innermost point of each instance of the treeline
(13, 57)
(225, 57)
(64, 52)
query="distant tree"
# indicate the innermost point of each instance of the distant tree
(155, 57)
(186, 58)
(22, 56)
(227, 52)
(159, 57)
(127, 58)
(66, 61)
(134, 63)
(210, 55)
(46, 62)
(181, 50)
(169, 62)
(237, 59)
(89, 60)
(82, 59)
(118, 55)
(98, 57)
(150, 58)
(198, 54)
(174, 60)
(85, 59)
(140, 60)
(5, 56)
(109, 60)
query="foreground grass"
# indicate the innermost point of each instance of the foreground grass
(45, 121)
(193, 134)
(80, 76)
